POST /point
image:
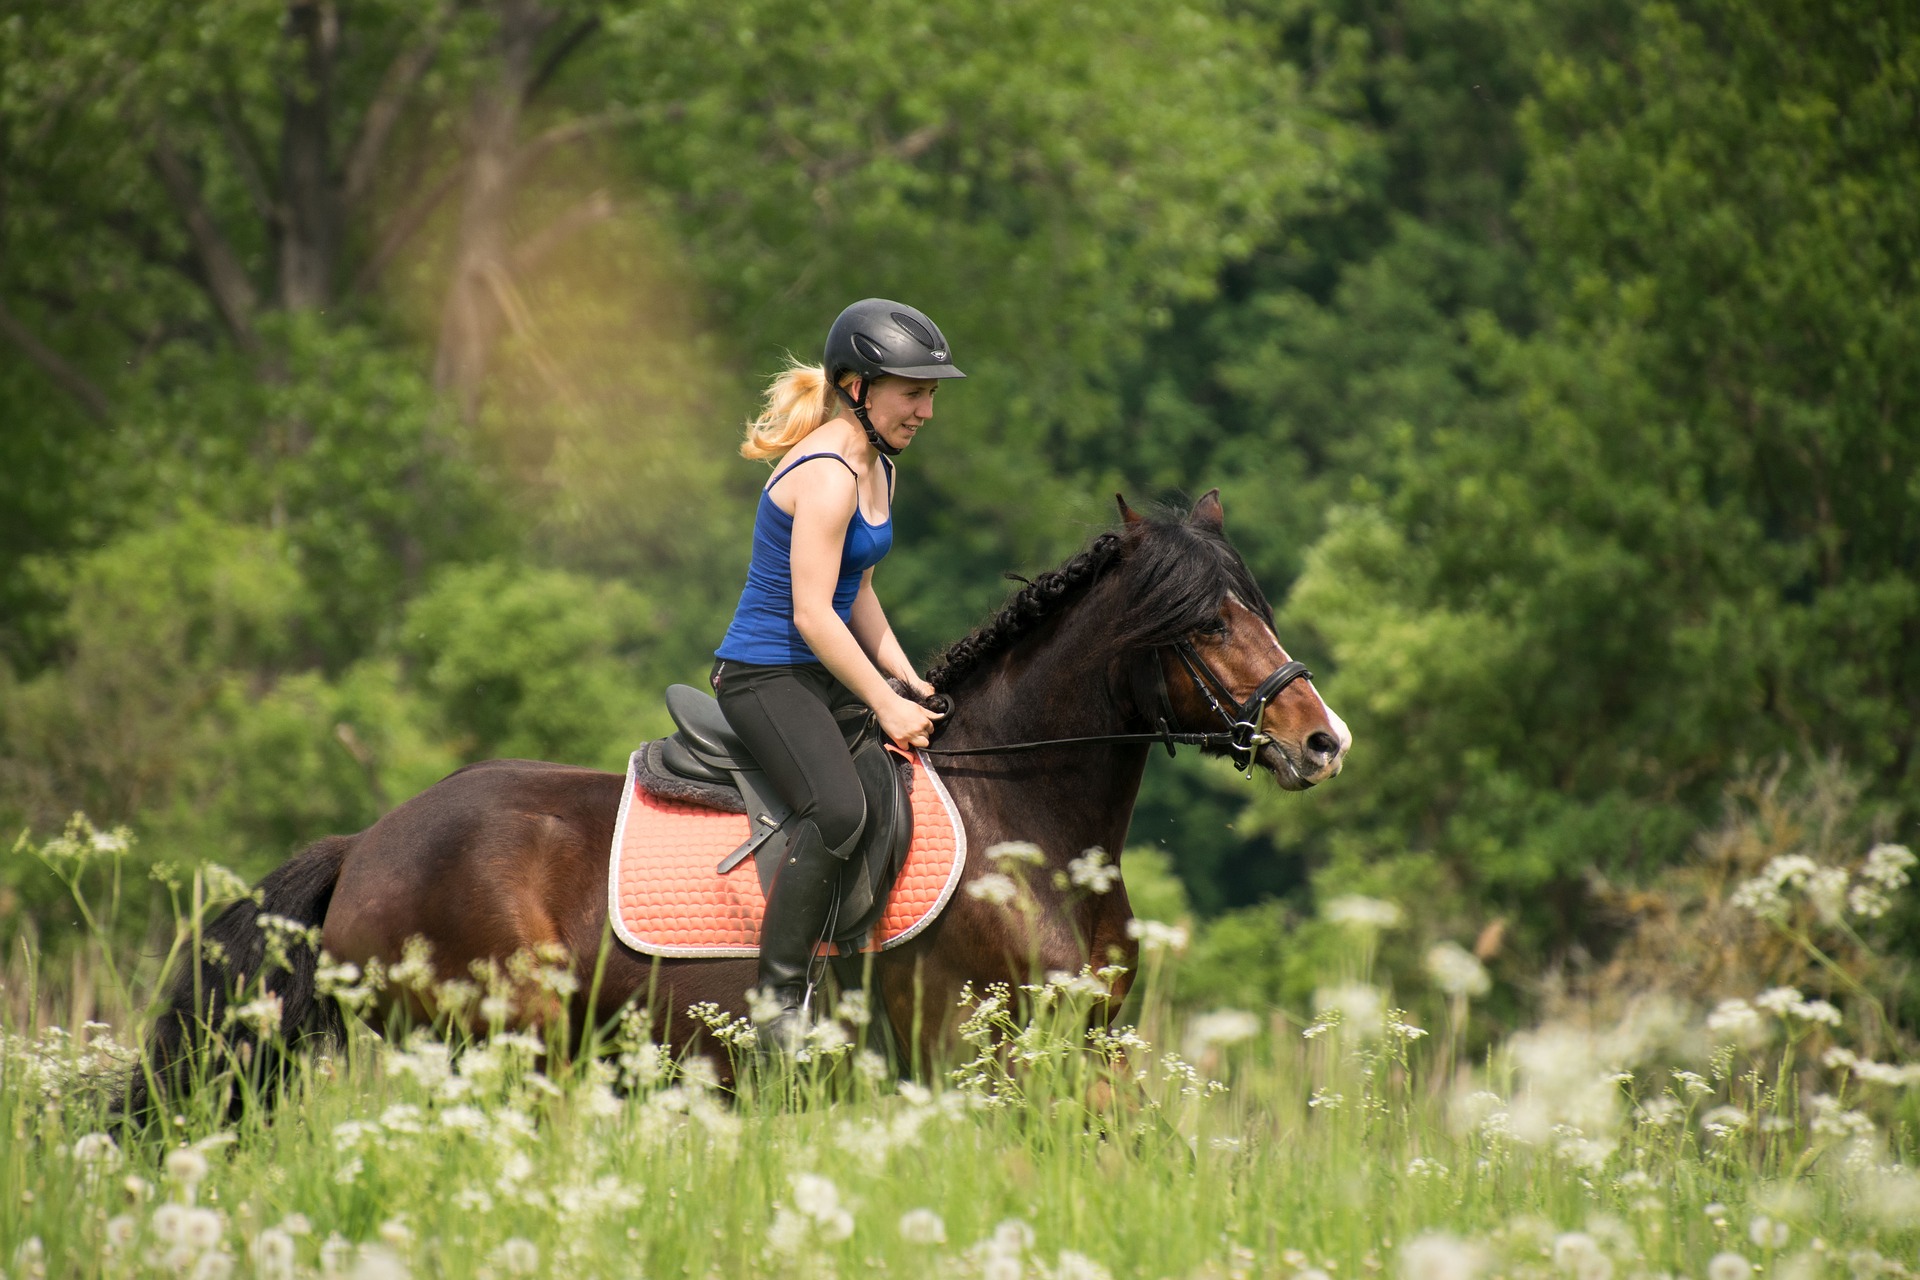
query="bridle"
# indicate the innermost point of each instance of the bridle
(1242, 737)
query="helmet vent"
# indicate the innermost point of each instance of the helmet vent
(868, 348)
(914, 327)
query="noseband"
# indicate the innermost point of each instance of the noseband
(1243, 718)
(1242, 738)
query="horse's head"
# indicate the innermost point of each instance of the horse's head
(1208, 640)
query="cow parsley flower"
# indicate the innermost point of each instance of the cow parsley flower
(1153, 936)
(1093, 872)
(1015, 852)
(994, 888)
(1457, 971)
(1357, 911)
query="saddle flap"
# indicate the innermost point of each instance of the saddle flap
(883, 844)
(704, 728)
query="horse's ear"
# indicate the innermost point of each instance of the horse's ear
(1209, 512)
(1127, 513)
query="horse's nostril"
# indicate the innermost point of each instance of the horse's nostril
(1323, 744)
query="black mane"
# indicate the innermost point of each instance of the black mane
(1177, 574)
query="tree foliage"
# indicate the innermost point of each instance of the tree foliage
(370, 372)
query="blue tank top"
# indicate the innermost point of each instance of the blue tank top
(762, 631)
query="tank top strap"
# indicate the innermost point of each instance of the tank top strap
(782, 473)
(887, 462)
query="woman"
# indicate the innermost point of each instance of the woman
(809, 637)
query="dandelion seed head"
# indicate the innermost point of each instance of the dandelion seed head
(922, 1226)
(1728, 1266)
(1438, 1256)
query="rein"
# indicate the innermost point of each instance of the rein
(1242, 737)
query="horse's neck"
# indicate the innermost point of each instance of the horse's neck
(1054, 685)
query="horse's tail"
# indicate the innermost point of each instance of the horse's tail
(237, 957)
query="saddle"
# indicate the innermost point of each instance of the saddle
(706, 764)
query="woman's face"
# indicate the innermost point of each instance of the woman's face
(898, 406)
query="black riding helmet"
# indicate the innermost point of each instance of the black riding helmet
(876, 336)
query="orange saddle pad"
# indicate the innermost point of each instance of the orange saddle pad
(667, 899)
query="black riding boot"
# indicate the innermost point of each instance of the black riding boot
(796, 915)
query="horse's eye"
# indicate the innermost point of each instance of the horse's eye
(1218, 627)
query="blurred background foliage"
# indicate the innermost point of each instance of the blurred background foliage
(370, 374)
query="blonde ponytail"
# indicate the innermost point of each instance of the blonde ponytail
(799, 402)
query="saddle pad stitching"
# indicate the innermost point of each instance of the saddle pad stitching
(620, 929)
(671, 951)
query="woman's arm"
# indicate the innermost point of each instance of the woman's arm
(824, 503)
(875, 634)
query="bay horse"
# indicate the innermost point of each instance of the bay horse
(511, 856)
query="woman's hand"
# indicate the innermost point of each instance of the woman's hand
(907, 723)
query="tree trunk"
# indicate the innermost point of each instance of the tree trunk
(310, 227)
(470, 319)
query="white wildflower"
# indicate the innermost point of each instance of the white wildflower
(1767, 1233)
(922, 1226)
(122, 1229)
(1013, 852)
(1357, 911)
(1361, 1007)
(1869, 902)
(186, 1167)
(1092, 871)
(1729, 1266)
(1832, 1119)
(853, 1009)
(1581, 1255)
(1219, 1028)
(377, 1263)
(1887, 866)
(1778, 1001)
(818, 1199)
(787, 1233)
(1693, 1082)
(1078, 1266)
(212, 1266)
(1013, 1236)
(1457, 971)
(1153, 936)
(517, 1256)
(1724, 1121)
(201, 1228)
(1827, 891)
(1737, 1022)
(1659, 1111)
(1436, 1256)
(1817, 1011)
(273, 1254)
(994, 888)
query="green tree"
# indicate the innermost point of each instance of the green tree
(1683, 536)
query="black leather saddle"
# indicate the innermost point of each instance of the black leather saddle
(706, 763)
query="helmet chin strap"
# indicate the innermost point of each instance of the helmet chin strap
(859, 408)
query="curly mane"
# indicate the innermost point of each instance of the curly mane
(1178, 572)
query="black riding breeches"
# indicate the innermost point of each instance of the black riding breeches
(791, 718)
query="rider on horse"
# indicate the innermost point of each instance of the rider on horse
(809, 638)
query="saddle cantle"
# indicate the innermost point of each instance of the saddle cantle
(705, 763)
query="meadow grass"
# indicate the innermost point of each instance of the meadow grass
(1184, 1143)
